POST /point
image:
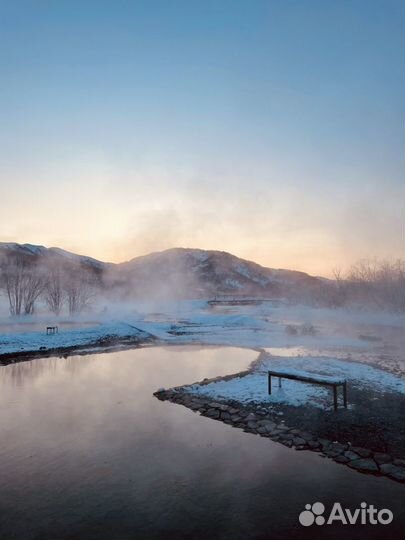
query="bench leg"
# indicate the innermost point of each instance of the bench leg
(269, 383)
(345, 395)
(335, 404)
(279, 382)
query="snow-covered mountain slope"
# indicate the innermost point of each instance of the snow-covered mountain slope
(203, 273)
(182, 272)
(34, 252)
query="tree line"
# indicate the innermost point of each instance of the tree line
(371, 282)
(24, 282)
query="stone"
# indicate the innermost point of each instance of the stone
(252, 425)
(275, 432)
(286, 436)
(394, 472)
(286, 443)
(382, 458)
(235, 418)
(387, 468)
(363, 452)
(225, 415)
(399, 462)
(314, 445)
(267, 424)
(212, 413)
(337, 447)
(250, 417)
(223, 408)
(365, 465)
(298, 441)
(194, 406)
(341, 459)
(331, 453)
(214, 405)
(398, 475)
(325, 443)
(351, 455)
(261, 430)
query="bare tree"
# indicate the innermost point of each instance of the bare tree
(79, 289)
(34, 284)
(390, 285)
(375, 283)
(12, 270)
(340, 293)
(23, 282)
(54, 293)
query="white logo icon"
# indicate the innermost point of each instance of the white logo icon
(312, 514)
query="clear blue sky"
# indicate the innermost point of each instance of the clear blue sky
(271, 129)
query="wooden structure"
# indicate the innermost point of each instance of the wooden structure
(313, 379)
(52, 330)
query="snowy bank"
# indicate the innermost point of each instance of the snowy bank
(36, 342)
(252, 388)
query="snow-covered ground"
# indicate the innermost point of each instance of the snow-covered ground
(252, 388)
(336, 343)
(14, 342)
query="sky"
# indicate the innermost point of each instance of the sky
(272, 129)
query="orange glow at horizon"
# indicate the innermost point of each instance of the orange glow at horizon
(276, 225)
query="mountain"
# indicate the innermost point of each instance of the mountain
(42, 253)
(197, 272)
(181, 272)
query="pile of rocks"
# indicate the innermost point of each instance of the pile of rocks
(260, 421)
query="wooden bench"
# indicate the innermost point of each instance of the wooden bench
(52, 330)
(322, 380)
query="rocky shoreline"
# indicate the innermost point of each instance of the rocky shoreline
(259, 420)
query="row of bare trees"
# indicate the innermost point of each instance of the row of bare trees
(375, 283)
(24, 282)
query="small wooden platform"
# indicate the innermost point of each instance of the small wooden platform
(313, 379)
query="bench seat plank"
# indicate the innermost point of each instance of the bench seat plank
(307, 376)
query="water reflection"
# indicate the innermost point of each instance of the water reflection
(88, 452)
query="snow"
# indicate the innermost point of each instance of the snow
(252, 388)
(75, 257)
(336, 350)
(33, 341)
(233, 283)
(243, 270)
(35, 250)
(356, 374)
